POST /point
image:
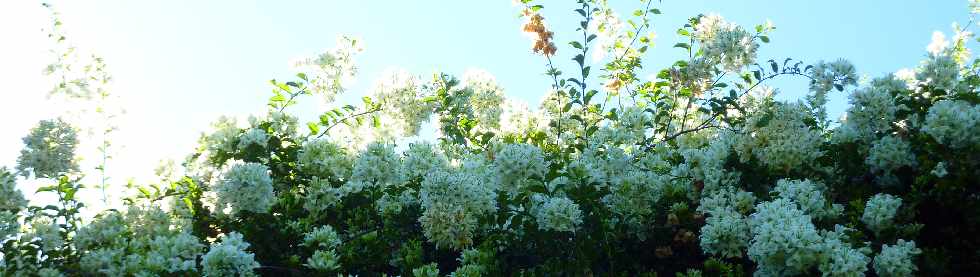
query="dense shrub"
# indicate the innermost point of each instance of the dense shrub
(696, 171)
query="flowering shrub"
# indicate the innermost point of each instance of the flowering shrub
(697, 170)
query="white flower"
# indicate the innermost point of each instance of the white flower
(324, 260)
(322, 237)
(633, 194)
(246, 187)
(323, 158)
(486, 98)
(557, 214)
(725, 233)
(11, 199)
(254, 136)
(838, 258)
(229, 258)
(516, 163)
(321, 196)
(779, 137)
(940, 71)
(879, 212)
(402, 101)
(177, 253)
(420, 158)
(809, 197)
(953, 123)
(608, 28)
(784, 239)
(708, 26)
(378, 165)
(48, 234)
(897, 259)
(725, 42)
(939, 170)
(8, 225)
(871, 114)
(224, 137)
(49, 150)
(889, 154)
(726, 199)
(938, 44)
(330, 72)
(452, 203)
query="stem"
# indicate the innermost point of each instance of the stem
(345, 119)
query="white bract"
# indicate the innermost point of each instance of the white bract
(229, 258)
(246, 187)
(897, 259)
(879, 212)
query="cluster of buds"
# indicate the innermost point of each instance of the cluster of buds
(542, 37)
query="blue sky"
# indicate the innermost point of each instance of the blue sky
(181, 64)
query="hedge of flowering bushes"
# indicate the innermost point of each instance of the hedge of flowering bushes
(695, 171)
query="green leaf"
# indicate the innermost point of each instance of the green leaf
(683, 45)
(575, 44)
(144, 192)
(536, 8)
(683, 32)
(764, 39)
(314, 127)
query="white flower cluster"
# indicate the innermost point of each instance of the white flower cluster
(939, 170)
(784, 239)
(839, 258)
(486, 98)
(229, 258)
(557, 214)
(320, 196)
(224, 137)
(953, 123)
(810, 198)
(896, 260)
(516, 163)
(325, 240)
(871, 114)
(280, 123)
(143, 241)
(47, 232)
(779, 137)
(725, 233)
(824, 77)
(325, 159)
(392, 204)
(452, 204)
(517, 119)
(11, 199)
(940, 71)
(726, 43)
(402, 101)
(879, 212)
(49, 150)
(726, 198)
(375, 166)
(9, 226)
(889, 154)
(420, 158)
(633, 195)
(608, 29)
(246, 187)
(330, 71)
(253, 136)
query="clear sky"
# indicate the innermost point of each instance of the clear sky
(180, 64)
